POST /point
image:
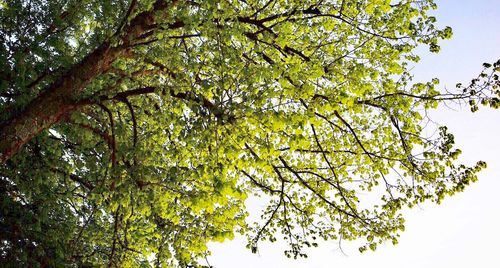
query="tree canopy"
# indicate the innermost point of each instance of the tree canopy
(132, 131)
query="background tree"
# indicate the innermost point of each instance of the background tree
(132, 131)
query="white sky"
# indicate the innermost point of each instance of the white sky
(464, 230)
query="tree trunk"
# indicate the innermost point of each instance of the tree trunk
(61, 97)
(56, 101)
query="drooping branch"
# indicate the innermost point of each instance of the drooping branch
(332, 169)
(320, 196)
(113, 136)
(105, 136)
(116, 218)
(134, 121)
(260, 185)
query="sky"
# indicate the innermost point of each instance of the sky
(462, 231)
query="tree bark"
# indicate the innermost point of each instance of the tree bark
(61, 98)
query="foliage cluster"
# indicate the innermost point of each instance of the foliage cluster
(131, 132)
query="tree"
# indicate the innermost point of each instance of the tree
(131, 132)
